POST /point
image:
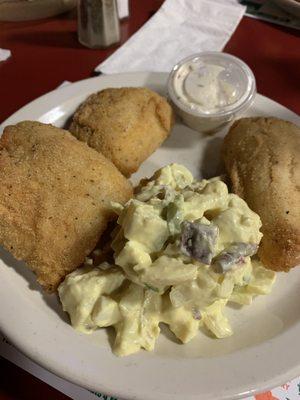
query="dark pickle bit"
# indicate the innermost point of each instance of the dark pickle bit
(233, 255)
(150, 287)
(196, 314)
(198, 241)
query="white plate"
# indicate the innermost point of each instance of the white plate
(264, 351)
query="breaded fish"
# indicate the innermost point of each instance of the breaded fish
(55, 198)
(126, 125)
(262, 158)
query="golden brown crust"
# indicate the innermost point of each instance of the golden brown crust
(262, 158)
(126, 125)
(54, 198)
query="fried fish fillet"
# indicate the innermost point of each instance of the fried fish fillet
(126, 125)
(262, 158)
(54, 198)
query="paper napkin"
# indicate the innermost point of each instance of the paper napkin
(178, 29)
(4, 54)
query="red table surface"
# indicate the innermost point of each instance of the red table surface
(46, 52)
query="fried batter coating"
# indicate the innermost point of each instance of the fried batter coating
(55, 198)
(262, 158)
(126, 125)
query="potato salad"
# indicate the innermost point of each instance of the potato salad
(182, 250)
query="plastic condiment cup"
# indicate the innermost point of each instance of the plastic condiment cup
(235, 73)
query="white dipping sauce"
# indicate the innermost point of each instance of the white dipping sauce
(202, 87)
(208, 90)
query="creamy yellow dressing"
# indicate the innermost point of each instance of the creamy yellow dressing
(182, 250)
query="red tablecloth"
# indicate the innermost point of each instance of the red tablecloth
(46, 52)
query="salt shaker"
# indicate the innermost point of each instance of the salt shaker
(98, 23)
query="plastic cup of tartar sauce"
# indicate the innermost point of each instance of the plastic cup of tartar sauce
(210, 89)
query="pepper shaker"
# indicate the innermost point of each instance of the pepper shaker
(98, 23)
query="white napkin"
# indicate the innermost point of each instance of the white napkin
(178, 29)
(4, 54)
(123, 8)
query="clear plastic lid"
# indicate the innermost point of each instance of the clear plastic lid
(232, 84)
